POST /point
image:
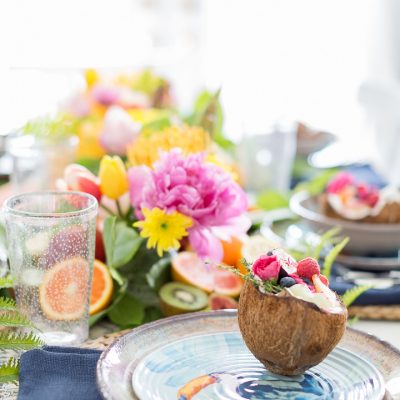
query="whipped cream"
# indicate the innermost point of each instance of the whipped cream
(303, 292)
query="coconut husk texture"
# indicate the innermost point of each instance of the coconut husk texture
(390, 213)
(286, 334)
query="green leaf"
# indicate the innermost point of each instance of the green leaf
(92, 164)
(152, 314)
(15, 319)
(128, 312)
(316, 185)
(6, 281)
(9, 371)
(156, 125)
(331, 256)
(121, 242)
(271, 200)
(7, 303)
(15, 341)
(159, 273)
(324, 240)
(352, 294)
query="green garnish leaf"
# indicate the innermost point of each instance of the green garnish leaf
(128, 312)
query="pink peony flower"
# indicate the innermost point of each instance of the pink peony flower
(119, 130)
(266, 267)
(339, 182)
(200, 190)
(105, 94)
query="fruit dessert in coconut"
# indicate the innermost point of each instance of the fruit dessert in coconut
(289, 318)
(348, 199)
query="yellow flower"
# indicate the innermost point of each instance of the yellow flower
(113, 178)
(91, 77)
(145, 149)
(163, 230)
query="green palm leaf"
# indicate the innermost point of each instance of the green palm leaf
(6, 282)
(352, 294)
(324, 240)
(17, 341)
(15, 319)
(9, 371)
(6, 303)
(331, 256)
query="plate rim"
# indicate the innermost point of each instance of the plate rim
(104, 389)
(379, 375)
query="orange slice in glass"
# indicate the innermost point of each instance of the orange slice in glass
(102, 288)
(63, 292)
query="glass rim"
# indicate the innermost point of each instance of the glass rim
(8, 209)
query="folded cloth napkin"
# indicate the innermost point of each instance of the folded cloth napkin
(58, 373)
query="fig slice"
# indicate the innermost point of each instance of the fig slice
(286, 334)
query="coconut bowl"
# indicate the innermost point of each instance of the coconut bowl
(365, 238)
(286, 334)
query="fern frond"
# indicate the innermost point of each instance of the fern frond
(6, 281)
(9, 371)
(15, 319)
(6, 303)
(352, 294)
(324, 240)
(331, 256)
(17, 341)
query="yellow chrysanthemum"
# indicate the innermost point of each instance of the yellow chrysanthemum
(163, 230)
(145, 149)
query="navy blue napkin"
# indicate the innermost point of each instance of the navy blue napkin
(58, 373)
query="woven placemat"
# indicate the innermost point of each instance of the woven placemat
(101, 343)
(389, 313)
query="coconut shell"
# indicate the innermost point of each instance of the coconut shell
(286, 334)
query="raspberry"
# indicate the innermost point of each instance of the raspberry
(324, 280)
(308, 267)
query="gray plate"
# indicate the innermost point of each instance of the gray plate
(118, 363)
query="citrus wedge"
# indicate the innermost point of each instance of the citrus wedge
(188, 268)
(232, 250)
(63, 292)
(102, 288)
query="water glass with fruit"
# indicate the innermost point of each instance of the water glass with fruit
(51, 243)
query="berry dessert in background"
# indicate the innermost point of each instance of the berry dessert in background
(348, 199)
(288, 316)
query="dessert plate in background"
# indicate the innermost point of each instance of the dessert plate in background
(365, 238)
(118, 364)
(220, 367)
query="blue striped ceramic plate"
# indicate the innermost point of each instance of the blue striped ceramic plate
(219, 366)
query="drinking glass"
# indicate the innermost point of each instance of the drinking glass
(51, 242)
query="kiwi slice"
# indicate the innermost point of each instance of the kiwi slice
(178, 298)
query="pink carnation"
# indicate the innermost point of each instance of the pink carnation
(266, 267)
(200, 190)
(339, 182)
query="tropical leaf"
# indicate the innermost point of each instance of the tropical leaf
(325, 239)
(352, 294)
(331, 256)
(9, 371)
(14, 319)
(15, 341)
(7, 303)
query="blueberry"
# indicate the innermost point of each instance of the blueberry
(287, 281)
(270, 253)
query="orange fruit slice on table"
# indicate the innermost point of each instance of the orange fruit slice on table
(102, 288)
(63, 292)
(188, 268)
